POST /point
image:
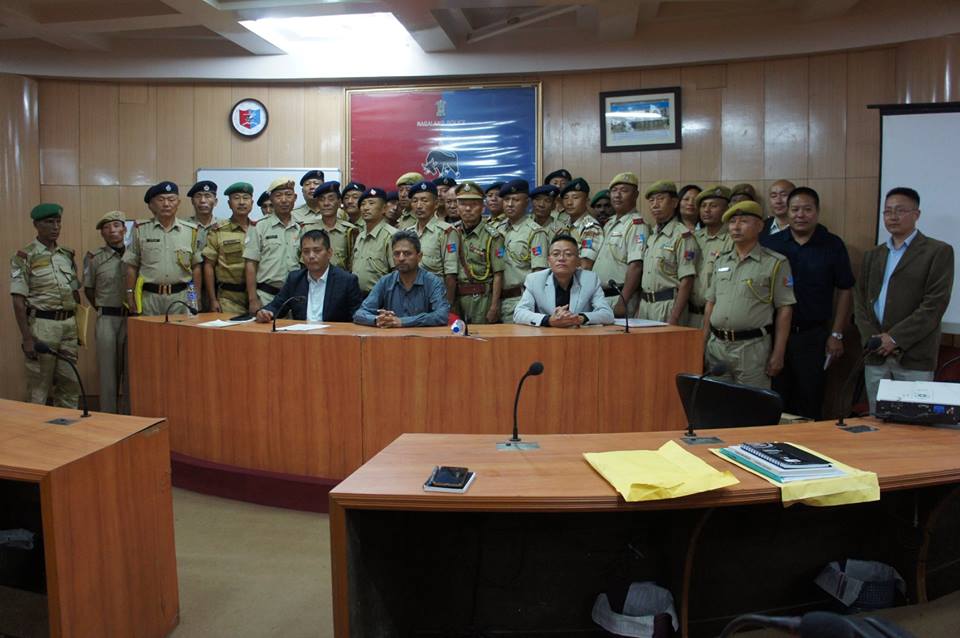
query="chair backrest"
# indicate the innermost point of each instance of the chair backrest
(722, 404)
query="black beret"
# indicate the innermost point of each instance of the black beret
(315, 174)
(352, 186)
(202, 187)
(560, 172)
(163, 188)
(444, 180)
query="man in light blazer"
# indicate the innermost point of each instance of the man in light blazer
(565, 296)
(903, 290)
(326, 293)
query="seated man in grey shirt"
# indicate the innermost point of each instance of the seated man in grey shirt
(407, 297)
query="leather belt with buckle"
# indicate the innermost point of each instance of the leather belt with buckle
(113, 311)
(267, 288)
(471, 289)
(55, 315)
(661, 295)
(165, 289)
(510, 293)
(234, 287)
(740, 335)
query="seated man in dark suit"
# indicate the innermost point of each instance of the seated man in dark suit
(565, 296)
(330, 293)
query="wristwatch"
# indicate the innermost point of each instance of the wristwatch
(837, 335)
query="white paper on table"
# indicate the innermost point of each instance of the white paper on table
(303, 327)
(221, 323)
(638, 323)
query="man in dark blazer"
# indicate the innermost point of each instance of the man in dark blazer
(901, 295)
(328, 293)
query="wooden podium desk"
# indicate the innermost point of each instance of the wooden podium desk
(107, 517)
(318, 404)
(395, 548)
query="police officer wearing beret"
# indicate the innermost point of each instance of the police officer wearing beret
(340, 232)
(494, 204)
(443, 183)
(309, 211)
(543, 198)
(349, 202)
(44, 288)
(601, 207)
(163, 253)
(439, 241)
(743, 193)
(620, 257)
(713, 240)
(203, 198)
(272, 248)
(373, 252)
(751, 291)
(480, 257)
(224, 274)
(669, 260)
(525, 243)
(559, 179)
(266, 207)
(583, 227)
(392, 210)
(103, 284)
(404, 183)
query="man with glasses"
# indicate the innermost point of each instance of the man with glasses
(901, 295)
(565, 296)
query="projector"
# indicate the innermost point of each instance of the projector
(926, 402)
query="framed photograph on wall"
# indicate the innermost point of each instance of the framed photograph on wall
(485, 133)
(640, 120)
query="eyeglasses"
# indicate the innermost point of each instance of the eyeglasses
(897, 212)
(567, 254)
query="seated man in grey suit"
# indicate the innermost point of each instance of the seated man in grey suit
(565, 296)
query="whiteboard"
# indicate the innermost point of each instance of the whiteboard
(919, 150)
(259, 177)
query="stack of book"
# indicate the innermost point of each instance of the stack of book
(781, 462)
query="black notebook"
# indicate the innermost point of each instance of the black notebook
(785, 456)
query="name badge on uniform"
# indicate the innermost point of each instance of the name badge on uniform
(670, 248)
(723, 269)
(152, 240)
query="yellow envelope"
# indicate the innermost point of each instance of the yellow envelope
(858, 486)
(81, 315)
(651, 475)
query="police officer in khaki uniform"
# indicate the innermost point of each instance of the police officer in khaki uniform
(373, 252)
(309, 211)
(223, 266)
(525, 244)
(163, 252)
(439, 240)
(713, 240)
(559, 179)
(266, 207)
(743, 193)
(480, 259)
(620, 257)
(103, 284)
(669, 260)
(203, 198)
(601, 208)
(752, 289)
(404, 183)
(272, 249)
(494, 204)
(583, 227)
(342, 233)
(349, 202)
(444, 184)
(542, 202)
(44, 287)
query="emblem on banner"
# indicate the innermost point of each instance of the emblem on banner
(441, 108)
(248, 117)
(440, 162)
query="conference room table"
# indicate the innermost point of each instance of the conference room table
(539, 533)
(313, 406)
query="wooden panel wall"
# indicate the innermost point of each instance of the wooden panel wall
(804, 118)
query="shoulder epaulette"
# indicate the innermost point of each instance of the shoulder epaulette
(70, 251)
(191, 224)
(22, 255)
(142, 222)
(637, 221)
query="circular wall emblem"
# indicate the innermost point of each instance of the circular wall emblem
(249, 117)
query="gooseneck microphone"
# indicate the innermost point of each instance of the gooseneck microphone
(173, 304)
(717, 370)
(873, 344)
(42, 348)
(626, 310)
(514, 443)
(281, 310)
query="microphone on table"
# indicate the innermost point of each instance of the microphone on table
(514, 443)
(280, 311)
(166, 313)
(819, 624)
(873, 344)
(42, 348)
(717, 370)
(946, 365)
(626, 310)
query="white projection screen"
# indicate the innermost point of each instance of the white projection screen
(921, 149)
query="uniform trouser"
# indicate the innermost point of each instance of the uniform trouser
(746, 360)
(890, 369)
(112, 362)
(801, 383)
(659, 311)
(233, 302)
(47, 376)
(153, 304)
(632, 306)
(475, 307)
(507, 306)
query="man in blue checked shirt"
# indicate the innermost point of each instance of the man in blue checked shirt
(409, 296)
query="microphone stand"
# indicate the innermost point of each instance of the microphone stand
(173, 304)
(626, 310)
(514, 443)
(691, 438)
(41, 347)
(280, 311)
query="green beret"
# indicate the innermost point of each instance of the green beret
(604, 194)
(714, 192)
(744, 189)
(42, 211)
(469, 190)
(578, 185)
(661, 186)
(746, 207)
(239, 187)
(112, 216)
(624, 178)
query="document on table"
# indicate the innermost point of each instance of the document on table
(220, 323)
(303, 327)
(638, 323)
